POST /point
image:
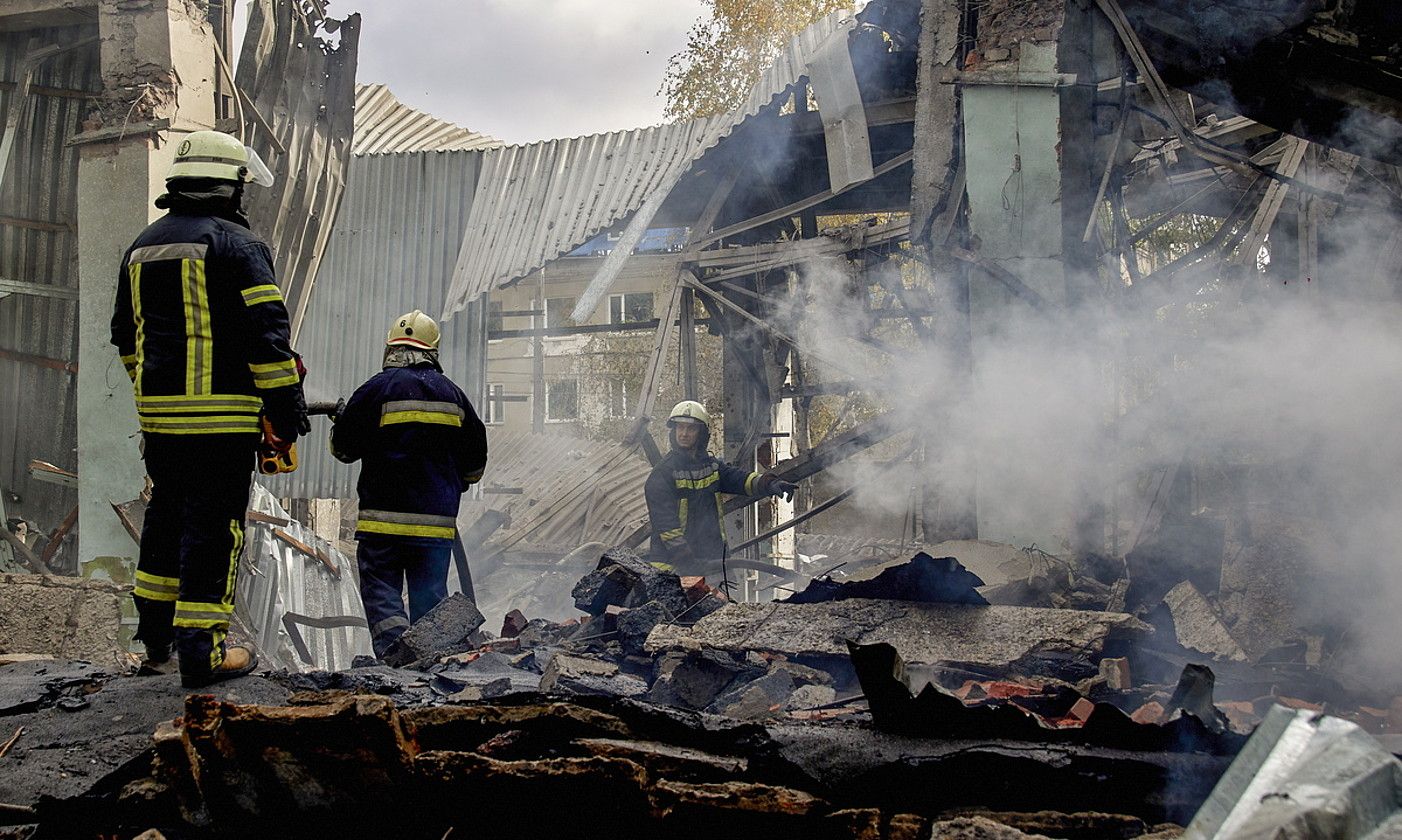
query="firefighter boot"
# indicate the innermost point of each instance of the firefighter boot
(238, 661)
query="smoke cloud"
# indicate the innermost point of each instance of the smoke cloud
(1073, 410)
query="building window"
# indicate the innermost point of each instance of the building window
(557, 312)
(562, 400)
(495, 410)
(494, 319)
(616, 398)
(630, 308)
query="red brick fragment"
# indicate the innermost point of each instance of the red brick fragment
(1151, 712)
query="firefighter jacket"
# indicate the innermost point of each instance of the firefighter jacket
(684, 506)
(420, 444)
(200, 326)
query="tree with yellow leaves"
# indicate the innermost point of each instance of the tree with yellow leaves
(728, 49)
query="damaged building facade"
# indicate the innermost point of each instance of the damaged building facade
(969, 265)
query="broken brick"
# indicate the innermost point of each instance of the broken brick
(512, 625)
(1151, 712)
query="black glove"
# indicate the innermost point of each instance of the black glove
(286, 410)
(779, 487)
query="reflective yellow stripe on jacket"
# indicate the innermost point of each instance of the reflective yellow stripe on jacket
(261, 294)
(421, 411)
(274, 374)
(395, 523)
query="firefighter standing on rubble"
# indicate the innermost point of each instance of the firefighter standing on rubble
(683, 494)
(203, 333)
(421, 445)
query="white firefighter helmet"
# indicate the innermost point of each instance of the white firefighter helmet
(689, 411)
(413, 329)
(214, 154)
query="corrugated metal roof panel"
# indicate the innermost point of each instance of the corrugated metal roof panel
(540, 201)
(573, 491)
(38, 244)
(385, 125)
(391, 251)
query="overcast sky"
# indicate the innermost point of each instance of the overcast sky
(524, 70)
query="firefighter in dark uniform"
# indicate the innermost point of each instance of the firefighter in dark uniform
(421, 445)
(683, 494)
(202, 330)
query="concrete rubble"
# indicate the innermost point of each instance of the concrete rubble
(845, 716)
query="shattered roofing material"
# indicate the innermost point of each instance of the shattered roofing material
(384, 125)
(572, 491)
(538, 202)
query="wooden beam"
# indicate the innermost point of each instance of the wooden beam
(803, 204)
(1010, 281)
(36, 224)
(686, 337)
(831, 451)
(819, 508)
(41, 361)
(1270, 205)
(584, 329)
(45, 290)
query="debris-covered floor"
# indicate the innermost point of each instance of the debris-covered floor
(899, 704)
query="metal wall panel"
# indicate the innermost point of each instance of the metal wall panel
(391, 251)
(538, 202)
(38, 244)
(305, 88)
(384, 125)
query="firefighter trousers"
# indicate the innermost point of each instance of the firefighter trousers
(190, 543)
(385, 563)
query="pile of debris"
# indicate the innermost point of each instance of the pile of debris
(903, 701)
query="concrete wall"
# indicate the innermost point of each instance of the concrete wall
(63, 617)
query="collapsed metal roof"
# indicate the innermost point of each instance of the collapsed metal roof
(385, 125)
(537, 202)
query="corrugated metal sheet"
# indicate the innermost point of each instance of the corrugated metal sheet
(276, 579)
(385, 125)
(391, 251)
(537, 202)
(38, 244)
(306, 89)
(573, 491)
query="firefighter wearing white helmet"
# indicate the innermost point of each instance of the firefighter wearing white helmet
(421, 445)
(683, 494)
(211, 361)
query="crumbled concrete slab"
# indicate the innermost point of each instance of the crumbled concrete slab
(36, 684)
(63, 753)
(568, 674)
(978, 828)
(756, 699)
(1198, 626)
(921, 633)
(63, 617)
(445, 629)
(810, 697)
(623, 579)
(693, 679)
